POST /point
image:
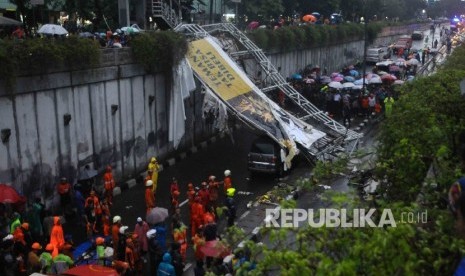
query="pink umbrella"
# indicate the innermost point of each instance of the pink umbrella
(338, 78)
(253, 25)
(388, 78)
(215, 249)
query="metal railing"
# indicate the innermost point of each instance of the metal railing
(161, 9)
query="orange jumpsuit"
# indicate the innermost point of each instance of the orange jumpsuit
(213, 188)
(115, 237)
(204, 196)
(190, 196)
(197, 211)
(129, 254)
(149, 198)
(109, 185)
(57, 238)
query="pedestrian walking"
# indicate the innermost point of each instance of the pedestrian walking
(213, 191)
(190, 194)
(388, 102)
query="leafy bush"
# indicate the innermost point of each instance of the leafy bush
(163, 50)
(38, 55)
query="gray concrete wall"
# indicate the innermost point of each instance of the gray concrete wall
(42, 148)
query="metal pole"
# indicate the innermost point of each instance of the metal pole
(364, 53)
(237, 15)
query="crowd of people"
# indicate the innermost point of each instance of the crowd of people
(30, 244)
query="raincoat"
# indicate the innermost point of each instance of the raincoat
(141, 231)
(227, 183)
(166, 268)
(153, 166)
(57, 237)
(149, 198)
(197, 212)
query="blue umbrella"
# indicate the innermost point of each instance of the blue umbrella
(297, 76)
(349, 78)
(360, 81)
(354, 73)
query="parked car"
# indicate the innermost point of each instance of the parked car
(375, 55)
(417, 35)
(265, 157)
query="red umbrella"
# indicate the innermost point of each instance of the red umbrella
(9, 195)
(215, 249)
(91, 270)
(309, 18)
(253, 25)
(388, 77)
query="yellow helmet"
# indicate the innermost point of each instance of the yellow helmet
(230, 192)
(153, 160)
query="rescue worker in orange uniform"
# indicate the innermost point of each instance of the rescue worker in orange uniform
(213, 188)
(129, 254)
(204, 195)
(109, 185)
(174, 191)
(94, 211)
(227, 182)
(197, 212)
(190, 194)
(57, 237)
(115, 233)
(149, 196)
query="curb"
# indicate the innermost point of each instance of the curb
(131, 183)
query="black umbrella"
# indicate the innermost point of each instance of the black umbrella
(6, 21)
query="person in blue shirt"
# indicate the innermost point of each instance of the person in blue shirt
(166, 268)
(161, 236)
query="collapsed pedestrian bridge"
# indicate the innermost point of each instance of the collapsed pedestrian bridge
(215, 53)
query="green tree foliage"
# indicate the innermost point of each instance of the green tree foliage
(263, 9)
(434, 105)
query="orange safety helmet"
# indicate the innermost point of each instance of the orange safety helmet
(49, 247)
(176, 193)
(99, 241)
(190, 186)
(36, 246)
(25, 226)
